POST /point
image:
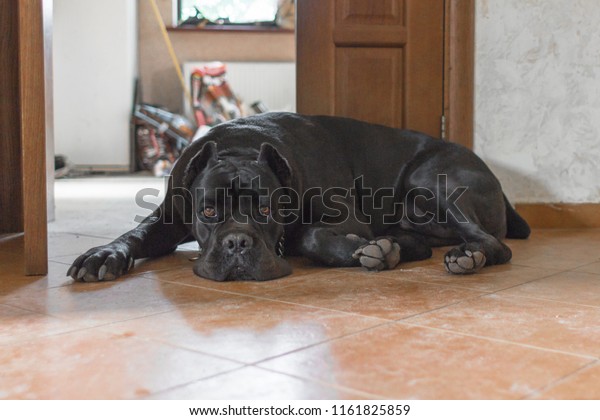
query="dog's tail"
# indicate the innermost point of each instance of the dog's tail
(516, 226)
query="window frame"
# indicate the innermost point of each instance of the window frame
(256, 26)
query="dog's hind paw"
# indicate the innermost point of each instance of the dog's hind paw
(464, 260)
(380, 254)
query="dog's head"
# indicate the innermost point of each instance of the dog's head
(234, 201)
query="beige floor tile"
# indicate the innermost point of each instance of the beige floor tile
(304, 270)
(570, 286)
(253, 383)
(19, 325)
(13, 281)
(403, 362)
(566, 236)
(99, 303)
(593, 268)
(557, 249)
(489, 279)
(552, 325)
(370, 294)
(582, 385)
(67, 244)
(243, 328)
(96, 365)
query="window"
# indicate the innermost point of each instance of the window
(227, 11)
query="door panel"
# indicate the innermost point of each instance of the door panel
(380, 61)
(373, 12)
(372, 101)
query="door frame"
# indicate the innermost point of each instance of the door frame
(23, 190)
(459, 71)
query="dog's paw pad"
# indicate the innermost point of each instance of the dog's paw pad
(378, 255)
(371, 263)
(466, 261)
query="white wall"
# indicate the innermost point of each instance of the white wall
(95, 56)
(538, 97)
(272, 83)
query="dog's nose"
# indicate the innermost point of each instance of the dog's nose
(237, 243)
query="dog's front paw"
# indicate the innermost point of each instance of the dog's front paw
(380, 254)
(467, 259)
(102, 263)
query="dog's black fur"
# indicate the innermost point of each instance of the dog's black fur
(339, 191)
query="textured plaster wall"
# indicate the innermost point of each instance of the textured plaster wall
(538, 97)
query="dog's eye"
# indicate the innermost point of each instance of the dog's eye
(209, 212)
(264, 210)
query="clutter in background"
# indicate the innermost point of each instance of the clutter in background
(213, 101)
(286, 14)
(160, 137)
(62, 167)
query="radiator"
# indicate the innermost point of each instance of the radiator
(273, 83)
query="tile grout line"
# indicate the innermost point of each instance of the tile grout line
(406, 320)
(254, 363)
(80, 327)
(29, 311)
(309, 346)
(500, 340)
(536, 298)
(216, 375)
(583, 305)
(280, 301)
(449, 305)
(86, 235)
(99, 328)
(324, 383)
(480, 294)
(314, 381)
(12, 305)
(536, 393)
(490, 293)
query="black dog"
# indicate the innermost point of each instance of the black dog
(336, 190)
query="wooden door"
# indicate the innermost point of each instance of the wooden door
(23, 134)
(381, 61)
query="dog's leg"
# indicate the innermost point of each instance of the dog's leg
(333, 246)
(351, 246)
(480, 249)
(152, 238)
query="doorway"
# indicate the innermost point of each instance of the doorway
(354, 57)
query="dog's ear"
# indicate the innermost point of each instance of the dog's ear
(200, 161)
(271, 157)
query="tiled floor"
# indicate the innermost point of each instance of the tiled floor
(530, 329)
